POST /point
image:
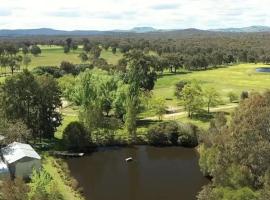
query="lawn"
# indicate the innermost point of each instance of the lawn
(237, 78)
(54, 55)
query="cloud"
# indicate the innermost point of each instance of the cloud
(123, 14)
(65, 12)
(5, 12)
(165, 6)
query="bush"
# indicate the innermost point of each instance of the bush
(51, 70)
(156, 137)
(76, 137)
(172, 133)
(35, 50)
(68, 68)
(188, 136)
(244, 95)
(233, 97)
(179, 87)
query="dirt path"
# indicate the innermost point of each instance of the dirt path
(179, 114)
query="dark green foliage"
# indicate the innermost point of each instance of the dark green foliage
(114, 50)
(66, 49)
(140, 70)
(65, 68)
(48, 70)
(68, 68)
(172, 133)
(25, 50)
(179, 87)
(34, 101)
(237, 156)
(76, 137)
(244, 95)
(35, 50)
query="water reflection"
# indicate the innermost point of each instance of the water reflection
(156, 173)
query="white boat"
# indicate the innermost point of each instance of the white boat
(129, 159)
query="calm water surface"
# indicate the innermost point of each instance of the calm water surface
(170, 173)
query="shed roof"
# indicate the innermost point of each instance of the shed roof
(17, 151)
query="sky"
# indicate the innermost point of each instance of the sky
(126, 14)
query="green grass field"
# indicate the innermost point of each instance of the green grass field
(237, 78)
(54, 55)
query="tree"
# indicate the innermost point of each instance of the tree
(238, 156)
(26, 61)
(69, 42)
(114, 50)
(49, 100)
(14, 62)
(68, 67)
(192, 98)
(95, 52)
(83, 56)
(159, 106)
(16, 132)
(76, 137)
(33, 100)
(179, 87)
(66, 49)
(140, 75)
(25, 50)
(212, 98)
(131, 117)
(35, 50)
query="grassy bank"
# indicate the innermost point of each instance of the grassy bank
(63, 183)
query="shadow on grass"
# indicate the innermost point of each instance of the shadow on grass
(173, 74)
(204, 116)
(146, 122)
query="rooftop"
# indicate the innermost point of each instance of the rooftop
(17, 151)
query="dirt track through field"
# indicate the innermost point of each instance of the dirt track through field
(179, 114)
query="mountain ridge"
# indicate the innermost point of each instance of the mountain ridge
(136, 30)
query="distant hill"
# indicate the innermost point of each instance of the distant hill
(49, 32)
(250, 29)
(136, 30)
(143, 29)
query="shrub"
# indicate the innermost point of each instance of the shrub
(179, 87)
(156, 137)
(68, 68)
(172, 133)
(35, 50)
(76, 137)
(244, 95)
(51, 70)
(232, 97)
(188, 136)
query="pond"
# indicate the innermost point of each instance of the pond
(263, 69)
(156, 173)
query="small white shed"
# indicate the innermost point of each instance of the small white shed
(21, 159)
